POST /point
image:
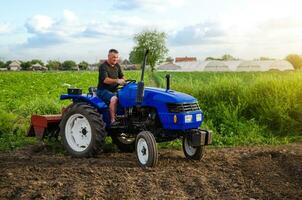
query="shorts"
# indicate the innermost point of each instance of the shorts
(105, 95)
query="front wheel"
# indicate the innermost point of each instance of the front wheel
(146, 149)
(192, 153)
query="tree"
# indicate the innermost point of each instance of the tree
(2, 64)
(35, 61)
(228, 57)
(211, 58)
(8, 63)
(295, 60)
(68, 65)
(225, 57)
(169, 59)
(25, 65)
(53, 65)
(266, 58)
(83, 65)
(155, 42)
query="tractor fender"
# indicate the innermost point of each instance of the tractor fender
(92, 100)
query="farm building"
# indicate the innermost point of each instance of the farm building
(130, 67)
(185, 59)
(232, 64)
(169, 66)
(216, 66)
(281, 65)
(76, 68)
(193, 66)
(14, 66)
(236, 65)
(248, 66)
(38, 67)
(93, 67)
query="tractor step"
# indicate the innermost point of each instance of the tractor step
(44, 125)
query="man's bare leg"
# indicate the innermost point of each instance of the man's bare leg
(112, 108)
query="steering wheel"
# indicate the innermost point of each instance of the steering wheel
(128, 81)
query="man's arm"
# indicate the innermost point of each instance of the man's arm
(104, 76)
(120, 80)
(109, 81)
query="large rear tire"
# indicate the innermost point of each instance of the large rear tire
(192, 153)
(82, 130)
(146, 149)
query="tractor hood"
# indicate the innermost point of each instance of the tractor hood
(152, 96)
(167, 96)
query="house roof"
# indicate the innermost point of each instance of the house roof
(185, 59)
(15, 64)
(36, 65)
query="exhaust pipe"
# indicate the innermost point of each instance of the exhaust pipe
(168, 82)
(140, 85)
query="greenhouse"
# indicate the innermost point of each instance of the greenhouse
(223, 66)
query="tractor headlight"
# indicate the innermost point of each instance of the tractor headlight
(198, 117)
(188, 118)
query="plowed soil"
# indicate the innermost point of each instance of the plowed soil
(225, 173)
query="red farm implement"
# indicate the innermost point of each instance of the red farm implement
(44, 126)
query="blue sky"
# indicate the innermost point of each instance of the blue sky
(86, 29)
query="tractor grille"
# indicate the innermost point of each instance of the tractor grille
(182, 107)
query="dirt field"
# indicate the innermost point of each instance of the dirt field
(228, 173)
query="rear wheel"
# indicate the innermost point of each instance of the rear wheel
(192, 153)
(82, 130)
(124, 142)
(146, 149)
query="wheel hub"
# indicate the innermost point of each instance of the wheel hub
(144, 151)
(84, 131)
(78, 132)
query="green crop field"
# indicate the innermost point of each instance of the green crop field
(240, 108)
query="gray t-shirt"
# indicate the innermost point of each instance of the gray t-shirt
(114, 72)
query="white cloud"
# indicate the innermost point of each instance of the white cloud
(39, 24)
(116, 26)
(5, 28)
(198, 34)
(69, 16)
(47, 31)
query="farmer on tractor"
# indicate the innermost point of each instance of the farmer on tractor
(110, 77)
(146, 116)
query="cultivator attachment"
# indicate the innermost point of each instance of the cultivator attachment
(44, 126)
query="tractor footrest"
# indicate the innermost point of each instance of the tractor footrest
(44, 125)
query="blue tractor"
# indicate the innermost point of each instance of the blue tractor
(146, 116)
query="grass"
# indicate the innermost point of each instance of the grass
(240, 108)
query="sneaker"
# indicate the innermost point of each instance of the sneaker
(115, 123)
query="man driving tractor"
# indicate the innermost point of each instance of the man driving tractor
(110, 77)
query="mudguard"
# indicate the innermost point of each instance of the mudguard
(92, 100)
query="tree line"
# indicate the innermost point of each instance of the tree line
(51, 64)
